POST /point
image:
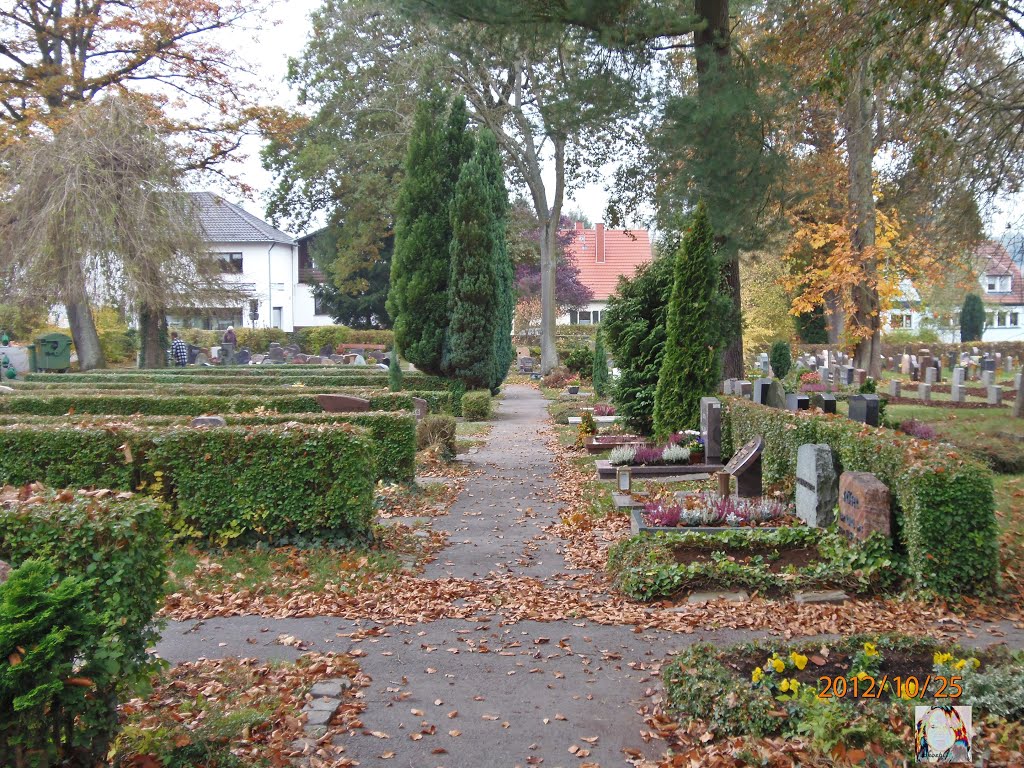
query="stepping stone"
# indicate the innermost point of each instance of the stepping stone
(707, 597)
(318, 716)
(331, 688)
(826, 596)
(325, 704)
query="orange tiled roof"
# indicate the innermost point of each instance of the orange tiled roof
(994, 259)
(602, 255)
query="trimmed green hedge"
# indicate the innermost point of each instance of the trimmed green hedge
(312, 378)
(155, 404)
(121, 545)
(476, 406)
(943, 500)
(88, 452)
(269, 483)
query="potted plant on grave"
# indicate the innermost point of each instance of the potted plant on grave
(696, 448)
(573, 385)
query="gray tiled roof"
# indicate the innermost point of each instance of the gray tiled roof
(226, 222)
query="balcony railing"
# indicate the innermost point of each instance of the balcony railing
(311, 276)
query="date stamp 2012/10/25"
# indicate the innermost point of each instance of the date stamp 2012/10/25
(869, 687)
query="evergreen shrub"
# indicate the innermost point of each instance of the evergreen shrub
(945, 515)
(599, 374)
(120, 546)
(476, 406)
(781, 358)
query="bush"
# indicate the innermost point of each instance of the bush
(120, 545)
(437, 432)
(781, 358)
(394, 372)
(972, 318)
(476, 406)
(945, 517)
(55, 621)
(580, 361)
(258, 340)
(312, 340)
(557, 378)
(286, 483)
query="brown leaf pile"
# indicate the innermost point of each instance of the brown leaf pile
(225, 686)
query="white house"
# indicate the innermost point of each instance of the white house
(1001, 290)
(265, 262)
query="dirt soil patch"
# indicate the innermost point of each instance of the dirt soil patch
(775, 559)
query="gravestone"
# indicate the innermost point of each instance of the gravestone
(343, 403)
(761, 391)
(243, 357)
(864, 505)
(744, 388)
(905, 364)
(711, 429)
(924, 392)
(995, 395)
(849, 375)
(797, 402)
(202, 359)
(1017, 380)
(298, 358)
(257, 359)
(526, 365)
(958, 375)
(837, 376)
(193, 353)
(1018, 405)
(861, 377)
(988, 364)
(828, 403)
(937, 366)
(275, 353)
(929, 375)
(956, 392)
(726, 388)
(988, 378)
(951, 360)
(817, 485)
(894, 387)
(421, 407)
(295, 349)
(745, 466)
(208, 421)
(776, 395)
(864, 408)
(763, 364)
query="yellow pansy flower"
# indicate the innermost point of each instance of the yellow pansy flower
(862, 675)
(961, 663)
(757, 674)
(870, 650)
(974, 662)
(798, 660)
(784, 686)
(778, 665)
(942, 658)
(794, 684)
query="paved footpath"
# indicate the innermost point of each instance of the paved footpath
(474, 693)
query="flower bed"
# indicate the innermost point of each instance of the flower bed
(770, 561)
(709, 509)
(772, 690)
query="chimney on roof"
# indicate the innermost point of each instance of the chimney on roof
(579, 226)
(600, 243)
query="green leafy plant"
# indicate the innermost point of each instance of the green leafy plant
(972, 318)
(600, 376)
(580, 361)
(394, 372)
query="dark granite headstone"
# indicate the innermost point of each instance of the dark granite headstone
(711, 428)
(421, 407)
(209, 421)
(795, 402)
(243, 356)
(761, 391)
(828, 403)
(864, 408)
(745, 466)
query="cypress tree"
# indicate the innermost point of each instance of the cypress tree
(505, 300)
(418, 297)
(691, 365)
(394, 371)
(469, 348)
(600, 373)
(972, 318)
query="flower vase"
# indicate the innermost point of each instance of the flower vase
(697, 457)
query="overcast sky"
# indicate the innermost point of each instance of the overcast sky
(285, 33)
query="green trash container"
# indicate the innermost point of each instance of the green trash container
(31, 357)
(53, 352)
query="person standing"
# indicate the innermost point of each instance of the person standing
(229, 336)
(179, 350)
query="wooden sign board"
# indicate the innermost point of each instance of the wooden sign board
(745, 457)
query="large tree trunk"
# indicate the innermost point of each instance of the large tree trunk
(83, 331)
(835, 318)
(858, 117)
(714, 62)
(548, 257)
(152, 338)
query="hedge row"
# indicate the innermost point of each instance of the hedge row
(268, 481)
(943, 501)
(154, 404)
(412, 380)
(120, 546)
(89, 452)
(254, 389)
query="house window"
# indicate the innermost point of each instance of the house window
(230, 263)
(1000, 319)
(319, 306)
(997, 284)
(901, 320)
(1015, 320)
(276, 317)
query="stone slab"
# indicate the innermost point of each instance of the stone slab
(864, 505)
(605, 470)
(826, 596)
(706, 597)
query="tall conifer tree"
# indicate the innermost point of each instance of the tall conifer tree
(469, 351)
(418, 298)
(691, 366)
